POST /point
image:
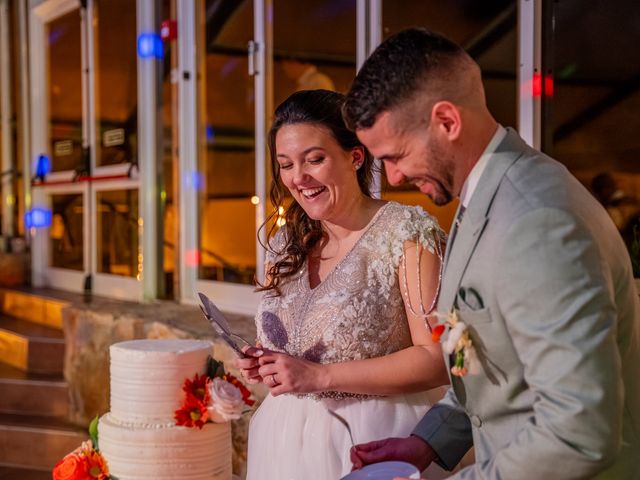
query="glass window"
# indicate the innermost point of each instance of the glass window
(170, 158)
(314, 46)
(592, 111)
(116, 82)
(487, 30)
(325, 59)
(65, 92)
(117, 232)
(66, 233)
(226, 176)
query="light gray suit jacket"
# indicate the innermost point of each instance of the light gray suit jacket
(555, 325)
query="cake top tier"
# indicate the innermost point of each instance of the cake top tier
(141, 348)
(147, 377)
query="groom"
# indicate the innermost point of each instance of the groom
(535, 270)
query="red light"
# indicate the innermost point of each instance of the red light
(536, 85)
(192, 258)
(548, 86)
(169, 30)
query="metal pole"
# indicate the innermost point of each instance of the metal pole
(148, 154)
(529, 63)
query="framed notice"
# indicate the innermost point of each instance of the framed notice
(63, 148)
(113, 138)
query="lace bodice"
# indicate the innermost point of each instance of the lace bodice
(356, 312)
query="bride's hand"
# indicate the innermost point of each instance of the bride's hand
(250, 364)
(283, 373)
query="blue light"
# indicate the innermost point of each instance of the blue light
(210, 133)
(150, 46)
(43, 166)
(195, 180)
(37, 217)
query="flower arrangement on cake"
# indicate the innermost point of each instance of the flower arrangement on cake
(85, 462)
(216, 397)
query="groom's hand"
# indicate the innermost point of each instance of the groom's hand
(412, 449)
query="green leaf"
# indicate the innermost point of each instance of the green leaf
(214, 368)
(93, 432)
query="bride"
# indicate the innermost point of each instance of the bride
(342, 324)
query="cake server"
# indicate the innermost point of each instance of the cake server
(344, 422)
(221, 325)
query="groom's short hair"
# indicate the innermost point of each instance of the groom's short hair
(408, 63)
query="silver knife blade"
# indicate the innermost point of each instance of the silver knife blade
(213, 323)
(221, 326)
(214, 313)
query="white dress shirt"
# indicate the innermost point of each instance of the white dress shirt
(471, 182)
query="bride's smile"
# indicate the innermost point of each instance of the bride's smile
(318, 173)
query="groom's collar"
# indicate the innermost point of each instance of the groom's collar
(508, 151)
(471, 182)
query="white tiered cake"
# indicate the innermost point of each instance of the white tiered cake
(139, 437)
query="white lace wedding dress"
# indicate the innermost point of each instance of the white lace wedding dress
(355, 313)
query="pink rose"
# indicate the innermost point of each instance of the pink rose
(226, 402)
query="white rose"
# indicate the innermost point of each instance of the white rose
(455, 334)
(226, 401)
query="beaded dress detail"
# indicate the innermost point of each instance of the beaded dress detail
(356, 312)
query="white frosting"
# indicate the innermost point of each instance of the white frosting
(147, 377)
(139, 438)
(137, 453)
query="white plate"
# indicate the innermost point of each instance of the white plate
(384, 471)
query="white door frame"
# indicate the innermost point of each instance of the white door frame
(228, 296)
(117, 286)
(43, 275)
(529, 65)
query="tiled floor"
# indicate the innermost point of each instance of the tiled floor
(21, 474)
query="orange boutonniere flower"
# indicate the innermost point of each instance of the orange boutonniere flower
(437, 332)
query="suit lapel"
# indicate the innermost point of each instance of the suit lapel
(476, 217)
(467, 237)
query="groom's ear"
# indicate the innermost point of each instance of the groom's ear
(446, 120)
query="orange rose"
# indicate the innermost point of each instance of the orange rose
(72, 467)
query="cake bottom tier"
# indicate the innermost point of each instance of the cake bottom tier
(140, 452)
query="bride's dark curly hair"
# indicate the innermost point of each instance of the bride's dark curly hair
(316, 107)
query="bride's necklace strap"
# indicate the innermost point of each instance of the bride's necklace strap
(425, 313)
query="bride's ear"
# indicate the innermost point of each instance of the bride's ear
(357, 157)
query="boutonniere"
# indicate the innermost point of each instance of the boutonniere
(458, 342)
